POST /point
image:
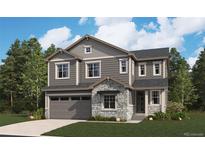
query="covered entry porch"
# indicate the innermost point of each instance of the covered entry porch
(148, 101)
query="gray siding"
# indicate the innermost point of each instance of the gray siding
(70, 81)
(98, 50)
(149, 70)
(109, 67)
(62, 56)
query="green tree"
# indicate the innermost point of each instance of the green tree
(181, 89)
(198, 73)
(50, 50)
(34, 77)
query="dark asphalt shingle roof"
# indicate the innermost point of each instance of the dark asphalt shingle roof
(67, 87)
(149, 83)
(151, 53)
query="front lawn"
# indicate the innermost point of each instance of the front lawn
(193, 127)
(6, 119)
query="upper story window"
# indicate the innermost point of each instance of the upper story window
(142, 69)
(123, 66)
(155, 97)
(156, 68)
(62, 70)
(93, 69)
(87, 49)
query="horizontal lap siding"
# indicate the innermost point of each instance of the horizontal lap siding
(109, 67)
(149, 70)
(71, 81)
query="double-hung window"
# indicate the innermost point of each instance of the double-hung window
(62, 70)
(156, 68)
(93, 69)
(123, 66)
(142, 69)
(109, 101)
(155, 97)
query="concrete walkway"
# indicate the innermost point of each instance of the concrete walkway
(34, 128)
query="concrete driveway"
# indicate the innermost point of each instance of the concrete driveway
(34, 128)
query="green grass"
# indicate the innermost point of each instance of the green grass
(193, 127)
(6, 119)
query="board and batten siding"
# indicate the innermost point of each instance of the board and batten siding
(57, 82)
(149, 70)
(109, 67)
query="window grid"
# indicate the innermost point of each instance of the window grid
(62, 70)
(109, 102)
(93, 70)
(155, 97)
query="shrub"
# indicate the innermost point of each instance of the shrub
(173, 107)
(101, 118)
(18, 107)
(2, 107)
(161, 116)
(39, 114)
(177, 115)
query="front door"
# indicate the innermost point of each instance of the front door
(140, 102)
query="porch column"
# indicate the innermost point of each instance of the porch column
(163, 101)
(47, 107)
(146, 102)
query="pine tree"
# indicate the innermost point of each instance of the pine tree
(181, 89)
(198, 73)
(34, 76)
(50, 50)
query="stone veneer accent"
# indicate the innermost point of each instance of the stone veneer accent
(153, 108)
(122, 100)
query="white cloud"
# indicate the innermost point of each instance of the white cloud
(61, 37)
(170, 32)
(150, 26)
(191, 60)
(82, 20)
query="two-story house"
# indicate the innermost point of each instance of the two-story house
(92, 77)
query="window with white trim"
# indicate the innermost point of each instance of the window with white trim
(93, 69)
(62, 70)
(142, 69)
(155, 97)
(123, 66)
(87, 49)
(109, 101)
(156, 68)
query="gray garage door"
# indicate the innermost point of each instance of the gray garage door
(70, 107)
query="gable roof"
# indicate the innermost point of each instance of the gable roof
(96, 39)
(107, 78)
(158, 53)
(62, 51)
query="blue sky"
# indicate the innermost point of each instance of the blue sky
(186, 34)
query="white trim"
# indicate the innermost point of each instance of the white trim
(139, 69)
(48, 75)
(120, 66)
(146, 102)
(56, 76)
(130, 71)
(61, 60)
(160, 67)
(163, 108)
(86, 69)
(160, 99)
(87, 46)
(133, 68)
(108, 109)
(164, 68)
(104, 57)
(77, 72)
